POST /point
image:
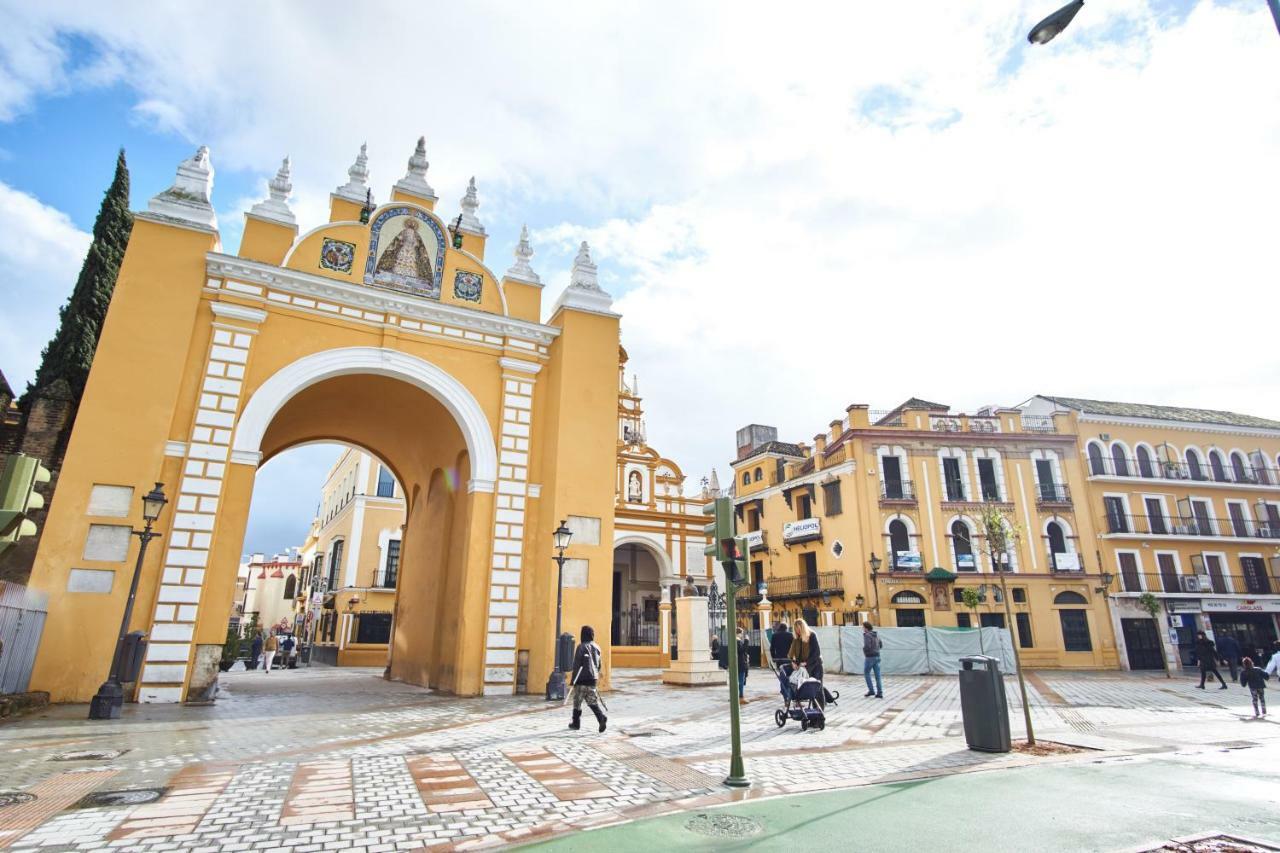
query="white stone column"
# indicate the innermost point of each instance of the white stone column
(512, 492)
(694, 668)
(205, 458)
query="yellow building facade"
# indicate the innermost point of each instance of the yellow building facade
(347, 596)
(1186, 505)
(878, 519)
(384, 329)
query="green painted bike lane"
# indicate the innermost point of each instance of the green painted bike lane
(1106, 804)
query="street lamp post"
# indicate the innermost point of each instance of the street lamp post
(106, 704)
(555, 681)
(875, 563)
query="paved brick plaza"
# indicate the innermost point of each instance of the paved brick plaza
(340, 759)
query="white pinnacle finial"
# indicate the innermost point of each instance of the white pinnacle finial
(414, 181)
(470, 201)
(188, 200)
(521, 270)
(276, 207)
(357, 186)
(584, 290)
(714, 486)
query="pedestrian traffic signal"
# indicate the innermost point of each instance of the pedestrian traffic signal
(720, 529)
(19, 498)
(735, 561)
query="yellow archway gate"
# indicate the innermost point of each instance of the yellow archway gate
(383, 328)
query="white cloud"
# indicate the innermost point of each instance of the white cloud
(855, 204)
(40, 256)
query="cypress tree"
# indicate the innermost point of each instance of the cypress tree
(70, 354)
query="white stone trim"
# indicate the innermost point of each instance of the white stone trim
(238, 312)
(315, 287)
(271, 396)
(246, 457)
(475, 485)
(518, 365)
(175, 448)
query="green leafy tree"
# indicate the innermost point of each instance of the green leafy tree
(971, 600)
(1151, 604)
(70, 354)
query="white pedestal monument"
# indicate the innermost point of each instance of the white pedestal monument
(694, 668)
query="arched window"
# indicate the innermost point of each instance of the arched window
(1096, 465)
(1193, 465)
(908, 597)
(386, 483)
(1069, 597)
(1145, 468)
(962, 546)
(1215, 465)
(1057, 539)
(290, 587)
(746, 478)
(1118, 460)
(759, 475)
(899, 540)
(1240, 470)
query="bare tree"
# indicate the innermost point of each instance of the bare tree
(1151, 604)
(1000, 534)
(971, 600)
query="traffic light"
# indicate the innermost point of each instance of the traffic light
(727, 550)
(18, 497)
(720, 529)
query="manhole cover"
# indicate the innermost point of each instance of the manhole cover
(15, 798)
(89, 755)
(723, 826)
(106, 799)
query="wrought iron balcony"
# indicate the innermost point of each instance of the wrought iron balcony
(1211, 583)
(806, 586)
(897, 492)
(1216, 470)
(1159, 525)
(1052, 494)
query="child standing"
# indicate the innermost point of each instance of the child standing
(1256, 680)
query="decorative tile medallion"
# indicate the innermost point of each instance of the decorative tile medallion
(337, 256)
(467, 285)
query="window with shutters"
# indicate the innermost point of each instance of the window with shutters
(831, 497)
(1075, 631)
(951, 473)
(1129, 575)
(1024, 629)
(386, 483)
(987, 477)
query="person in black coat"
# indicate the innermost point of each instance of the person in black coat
(1255, 678)
(587, 661)
(744, 663)
(780, 643)
(1207, 655)
(1229, 648)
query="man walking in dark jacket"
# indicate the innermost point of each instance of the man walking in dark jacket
(1229, 648)
(1207, 655)
(871, 659)
(780, 643)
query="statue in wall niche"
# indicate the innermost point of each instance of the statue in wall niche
(407, 256)
(635, 490)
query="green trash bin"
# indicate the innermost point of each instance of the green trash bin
(983, 704)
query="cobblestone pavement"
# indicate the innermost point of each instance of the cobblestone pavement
(328, 759)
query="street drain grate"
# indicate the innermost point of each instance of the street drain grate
(15, 798)
(1235, 744)
(89, 755)
(723, 826)
(133, 797)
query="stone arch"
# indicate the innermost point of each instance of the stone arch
(285, 383)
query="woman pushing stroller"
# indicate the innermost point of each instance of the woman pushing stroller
(586, 673)
(805, 651)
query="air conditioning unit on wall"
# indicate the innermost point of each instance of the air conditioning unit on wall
(1190, 583)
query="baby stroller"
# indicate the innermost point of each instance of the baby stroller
(803, 702)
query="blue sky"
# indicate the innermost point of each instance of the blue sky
(891, 204)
